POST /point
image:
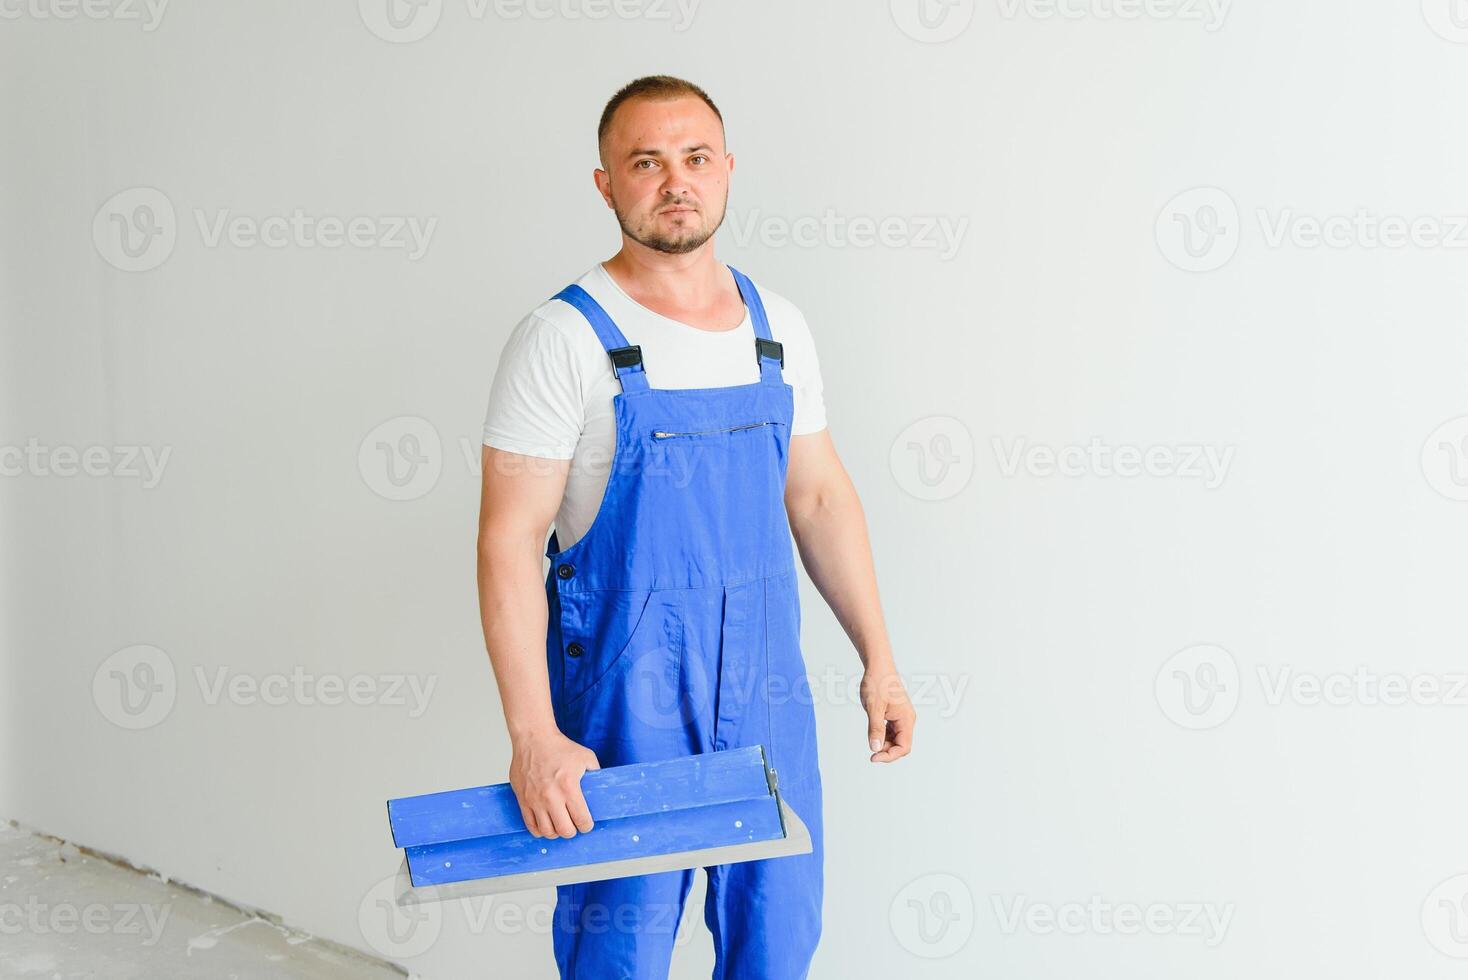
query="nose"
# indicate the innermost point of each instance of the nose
(675, 185)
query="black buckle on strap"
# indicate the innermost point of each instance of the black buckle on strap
(769, 348)
(626, 356)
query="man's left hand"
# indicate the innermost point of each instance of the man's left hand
(890, 715)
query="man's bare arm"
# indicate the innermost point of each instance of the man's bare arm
(518, 500)
(830, 531)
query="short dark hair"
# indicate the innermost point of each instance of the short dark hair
(660, 87)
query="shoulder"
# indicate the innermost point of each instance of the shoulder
(556, 321)
(802, 367)
(787, 323)
(556, 328)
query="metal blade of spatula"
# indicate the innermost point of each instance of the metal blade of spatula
(796, 841)
(693, 811)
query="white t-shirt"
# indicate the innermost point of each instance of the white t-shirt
(552, 392)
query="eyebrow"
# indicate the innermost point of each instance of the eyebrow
(639, 151)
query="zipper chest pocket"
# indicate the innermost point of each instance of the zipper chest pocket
(663, 434)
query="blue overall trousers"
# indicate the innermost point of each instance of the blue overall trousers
(674, 630)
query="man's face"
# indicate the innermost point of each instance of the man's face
(667, 175)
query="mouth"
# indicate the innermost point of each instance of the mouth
(678, 211)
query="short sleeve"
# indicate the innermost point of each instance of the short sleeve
(810, 403)
(535, 402)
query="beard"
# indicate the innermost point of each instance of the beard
(675, 242)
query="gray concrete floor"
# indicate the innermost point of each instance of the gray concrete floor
(65, 914)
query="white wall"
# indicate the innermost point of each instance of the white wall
(1072, 762)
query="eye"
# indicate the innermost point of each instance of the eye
(639, 163)
(699, 156)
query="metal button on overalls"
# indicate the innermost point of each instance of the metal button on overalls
(685, 611)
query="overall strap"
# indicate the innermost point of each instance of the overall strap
(770, 353)
(626, 359)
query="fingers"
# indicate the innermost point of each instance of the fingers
(577, 811)
(884, 750)
(562, 811)
(899, 740)
(897, 732)
(545, 775)
(876, 725)
(580, 814)
(902, 732)
(555, 820)
(562, 819)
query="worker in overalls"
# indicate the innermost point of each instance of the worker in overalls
(666, 416)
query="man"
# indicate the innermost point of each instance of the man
(667, 416)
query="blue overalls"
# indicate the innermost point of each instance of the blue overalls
(675, 630)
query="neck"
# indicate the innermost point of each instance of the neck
(692, 280)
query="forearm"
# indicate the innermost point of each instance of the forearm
(831, 534)
(512, 610)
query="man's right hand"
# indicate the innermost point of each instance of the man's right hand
(545, 773)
